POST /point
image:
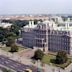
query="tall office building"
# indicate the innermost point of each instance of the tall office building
(48, 36)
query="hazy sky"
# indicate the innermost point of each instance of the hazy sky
(35, 6)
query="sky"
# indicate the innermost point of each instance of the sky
(35, 7)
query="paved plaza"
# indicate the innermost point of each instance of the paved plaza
(28, 53)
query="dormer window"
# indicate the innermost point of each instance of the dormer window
(43, 26)
(38, 26)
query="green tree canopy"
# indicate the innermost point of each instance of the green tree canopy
(38, 54)
(14, 48)
(15, 29)
(61, 57)
(3, 33)
(6, 70)
(11, 34)
(10, 41)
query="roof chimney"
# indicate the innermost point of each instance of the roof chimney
(30, 23)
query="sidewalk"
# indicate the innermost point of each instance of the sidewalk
(16, 57)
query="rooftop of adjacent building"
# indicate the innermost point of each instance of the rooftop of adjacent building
(60, 25)
(5, 25)
(30, 25)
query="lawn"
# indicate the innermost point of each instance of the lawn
(21, 48)
(47, 59)
(7, 49)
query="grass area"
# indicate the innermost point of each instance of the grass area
(7, 49)
(21, 48)
(47, 59)
(70, 57)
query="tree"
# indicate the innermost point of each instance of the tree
(38, 54)
(6, 70)
(1, 37)
(10, 41)
(11, 34)
(61, 57)
(15, 29)
(14, 48)
(3, 33)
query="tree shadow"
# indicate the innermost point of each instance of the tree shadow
(32, 57)
(12, 51)
(53, 61)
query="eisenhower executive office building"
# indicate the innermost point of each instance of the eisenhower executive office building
(50, 35)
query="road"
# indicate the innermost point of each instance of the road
(15, 65)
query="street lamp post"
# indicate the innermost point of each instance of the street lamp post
(38, 68)
(37, 65)
(53, 69)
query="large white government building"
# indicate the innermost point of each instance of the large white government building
(50, 35)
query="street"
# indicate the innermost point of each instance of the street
(15, 65)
